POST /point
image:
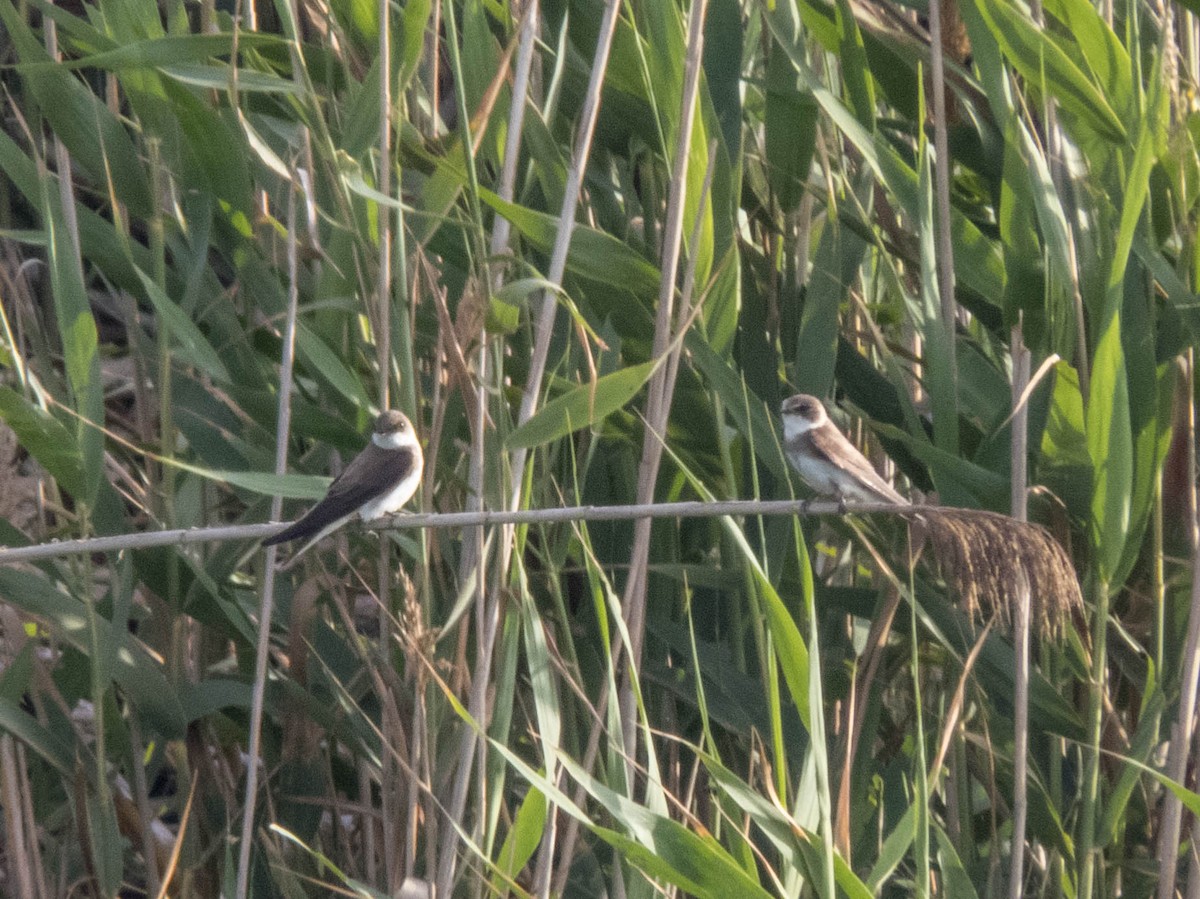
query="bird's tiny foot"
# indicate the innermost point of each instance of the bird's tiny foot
(841, 504)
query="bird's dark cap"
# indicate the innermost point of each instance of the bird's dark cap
(391, 421)
(802, 404)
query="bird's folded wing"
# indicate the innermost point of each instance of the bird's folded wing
(372, 473)
(832, 445)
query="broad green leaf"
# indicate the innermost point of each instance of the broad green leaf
(1025, 288)
(1109, 423)
(289, 486)
(1100, 50)
(939, 334)
(977, 261)
(193, 345)
(46, 439)
(1032, 51)
(723, 35)
(215, 158)
(104, 834)
(94, 136)
(818, 756)
(791, 132)
(522, 839)
(208, 697)
(80, 342)
(28, 237)
(774, 822)
(416, 17)
(1190, 799)
(789, 642)
(581, 407)
(137, 672)
(356, 182)
(665, 848)
(841, 252)
(859, 86)
(594, 254)
(43, 742)
(502, 318)
(1151, 387)
(505, 305)
(1137, 184)
(849, 881)
(325, 363)
(545, 692)
(694, 863)
(955, 879)
(988, 487)
(19, 671)
(894, 849)
(221, 77)
(167, 51)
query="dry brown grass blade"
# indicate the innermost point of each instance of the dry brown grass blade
(173, 862)
(954, 712)
(881, 626)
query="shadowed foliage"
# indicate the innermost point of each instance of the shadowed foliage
(587, 248)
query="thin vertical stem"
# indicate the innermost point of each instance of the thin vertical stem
(1095, 722)
(921, 850)
(543, 331)
(544, 327)
(97, 648)
(1184, 725)
(659, 402)
(15, 789)
(137, 747)
(941, 175)
(383, 308)
(383, 347)
(267, 604)
(516, 121)
(1019, 504)
(487, 613)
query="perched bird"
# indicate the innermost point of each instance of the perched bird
(826, 460)
(377, 482)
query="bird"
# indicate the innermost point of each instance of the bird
(826, 460)
(377, 482)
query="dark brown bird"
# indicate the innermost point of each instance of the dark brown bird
(377, 482)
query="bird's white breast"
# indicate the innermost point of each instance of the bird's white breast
(817, 473)
(402, 492)
(394, 499)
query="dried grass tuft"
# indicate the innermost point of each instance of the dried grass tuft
(979, 554)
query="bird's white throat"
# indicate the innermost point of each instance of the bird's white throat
(393, 441)
(797, 425)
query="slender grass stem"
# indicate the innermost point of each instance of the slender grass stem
(267, 603)
(1090, 808)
